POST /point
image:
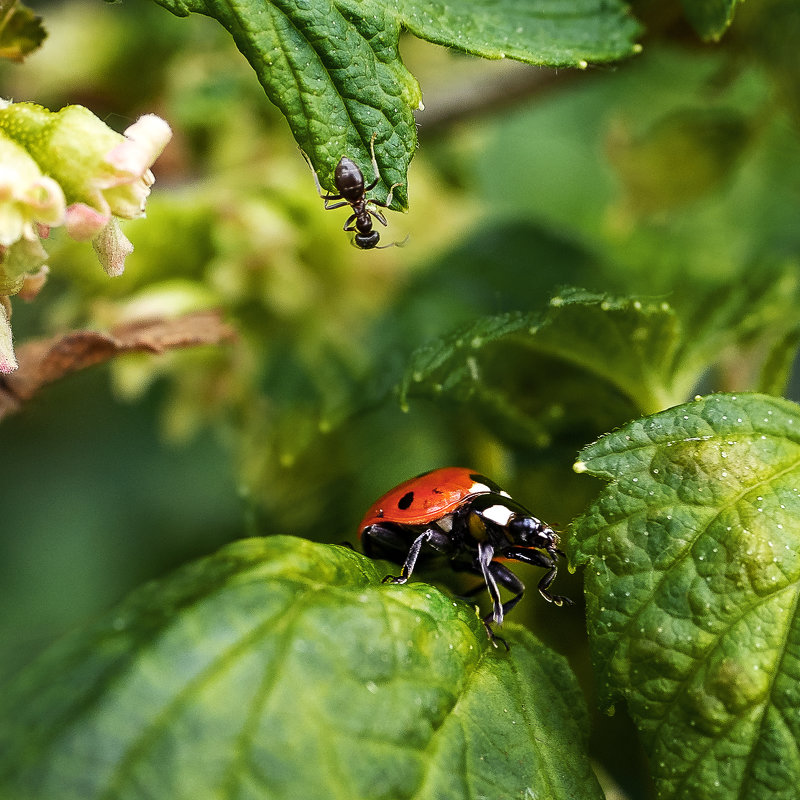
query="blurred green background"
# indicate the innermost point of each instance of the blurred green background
(676, 175)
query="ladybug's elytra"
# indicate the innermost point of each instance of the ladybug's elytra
(471, 520)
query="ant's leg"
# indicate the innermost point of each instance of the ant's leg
(378, 216)
(375, 182)
(335, 205)
(388, 196)
(374, 164)
(323, 195)
(348, 225)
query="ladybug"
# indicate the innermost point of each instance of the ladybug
(469, 519)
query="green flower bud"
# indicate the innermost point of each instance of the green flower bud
(102, 174)
(26, 196)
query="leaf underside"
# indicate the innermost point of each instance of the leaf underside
(280, 668)
(692, 582)
(333, 67)
(530, 371)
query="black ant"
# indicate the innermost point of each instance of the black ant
(349, 181)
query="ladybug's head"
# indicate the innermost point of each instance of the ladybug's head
(527, 531)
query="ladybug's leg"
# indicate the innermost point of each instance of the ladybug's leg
(511, 582)
(381, 541)
(541, 559)
(493, 573)
(384, 541)
(431, 536)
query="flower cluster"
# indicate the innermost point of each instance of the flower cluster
(67, 168)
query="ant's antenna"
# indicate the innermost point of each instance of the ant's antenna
(401, 243)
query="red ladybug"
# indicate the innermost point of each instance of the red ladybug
(471, 520)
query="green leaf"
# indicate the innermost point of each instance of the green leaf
(692, 586)
(280, 668)
(529, 374)
(710, 18)
(556, 33)
(533, 371)
(21, 30)
(334, 70)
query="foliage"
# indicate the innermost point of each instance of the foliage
(692, 590)
(281, 634)
(334, 70)
(617, 240)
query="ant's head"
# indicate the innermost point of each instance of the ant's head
(366, 241)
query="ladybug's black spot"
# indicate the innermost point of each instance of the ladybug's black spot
(405, 501)
(379, 513)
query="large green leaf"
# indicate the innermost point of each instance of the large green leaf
(591, 361)
(334, 70)
(279, 668)
(692, 587)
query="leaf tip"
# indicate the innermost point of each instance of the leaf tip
(579, 467)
